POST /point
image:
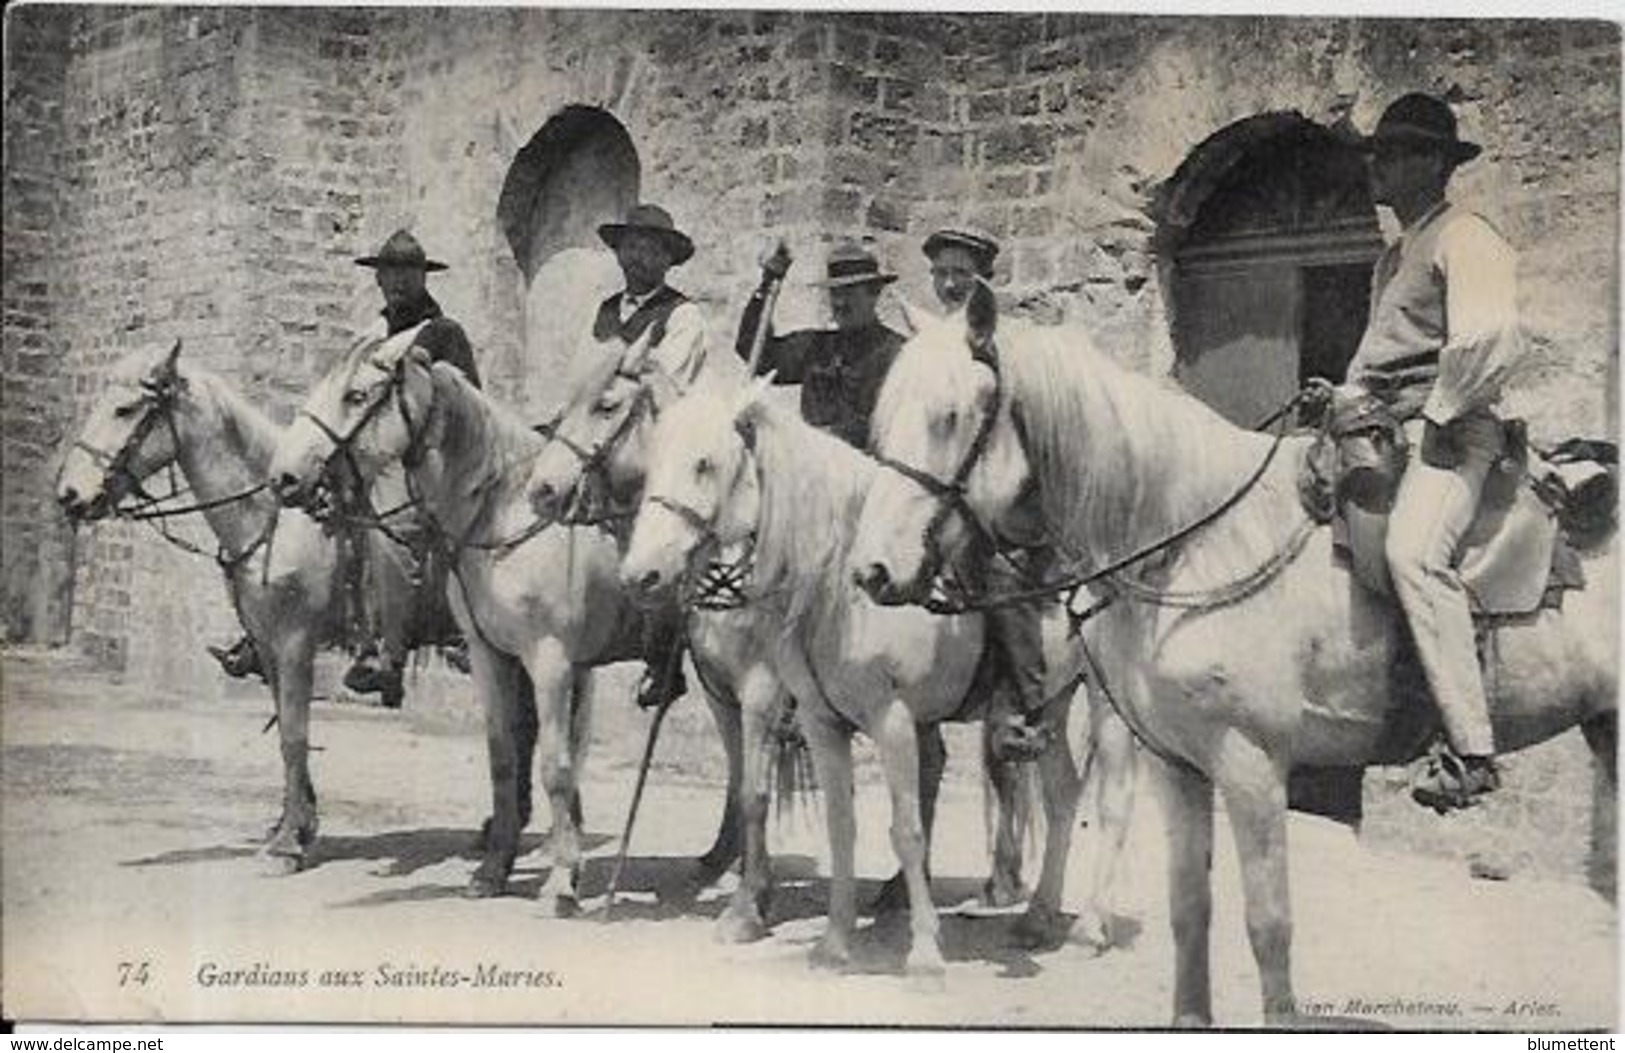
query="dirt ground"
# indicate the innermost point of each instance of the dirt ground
(131, 886)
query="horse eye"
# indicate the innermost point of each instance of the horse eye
(703, 467)
(606, 405)
(355, 397)
(127, 411)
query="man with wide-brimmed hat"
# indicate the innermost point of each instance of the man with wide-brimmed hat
(401, 268)
(1443, 337)
(840, 370)
(662, 329)
(647, 244)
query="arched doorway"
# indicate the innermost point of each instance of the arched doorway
(1272, 236)
(580, 170)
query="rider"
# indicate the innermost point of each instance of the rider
(959, 260)
(401, 268)
(647, 244)
(1442, 338)
(840, 370)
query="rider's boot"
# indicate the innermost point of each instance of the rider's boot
(241, 659)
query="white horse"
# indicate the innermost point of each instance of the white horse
(731, 471)
(1054, 443)
(540, 604)
(596, 464)
(281, 568)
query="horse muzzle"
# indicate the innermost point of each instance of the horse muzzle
(293, 491)
(80, 509)
(876, 580)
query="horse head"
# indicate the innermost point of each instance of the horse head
(602, 430)
(372, 409)
(699, 493)
(945, 428)
(128, 435)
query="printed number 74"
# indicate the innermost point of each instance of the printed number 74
(132, 973)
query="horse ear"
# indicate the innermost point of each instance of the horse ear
(914, 317)
(750, 408)
(171, 363)
(981, 316)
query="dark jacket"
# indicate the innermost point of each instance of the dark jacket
(443, 338)
(840, 371)
(607, 325)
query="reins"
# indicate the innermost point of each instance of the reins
(1230, 592)
(153, 510)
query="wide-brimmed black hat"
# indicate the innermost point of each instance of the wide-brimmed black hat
(852, 264)
(1421, 119)
(984, 250)
(401, 250)
(655, 221)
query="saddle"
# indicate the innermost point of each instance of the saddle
(1536, 514)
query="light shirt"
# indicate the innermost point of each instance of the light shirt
(1448, 284)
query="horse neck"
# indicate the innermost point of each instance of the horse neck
(472, 462)
(224, 448)
(1154, 461)
(808, 482)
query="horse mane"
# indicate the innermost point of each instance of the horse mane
(238, 421)
(1121, 458)
(1124, 459)
(812, 487)
(482, 442)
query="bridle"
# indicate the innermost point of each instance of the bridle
(158, 399)
(343, 449)
(952, 494)
(595, 459)
(720, 586)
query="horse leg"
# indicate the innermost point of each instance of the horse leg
(1254, 787)
(1114, 763)
(1602, 735)
(745, 920)
(831, 747)
(893, 895)
(293, 657)
(1042, 924)
(725, 848)
(1188, 813)
(555, 682)
(1008, 780)
(899, 753)
(497, 682)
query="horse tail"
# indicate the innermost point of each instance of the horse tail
(795, 783)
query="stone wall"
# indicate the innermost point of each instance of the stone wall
(208, 174)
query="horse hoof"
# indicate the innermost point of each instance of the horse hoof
(1191, 1022)
(829, 957)
(281, 864)
(1031, 934)
(929, 976)
(560, 906)
(740, 928)
(1094, 934)
(482, 887)
(996, 893)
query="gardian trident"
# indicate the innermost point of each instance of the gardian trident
(757, 344)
